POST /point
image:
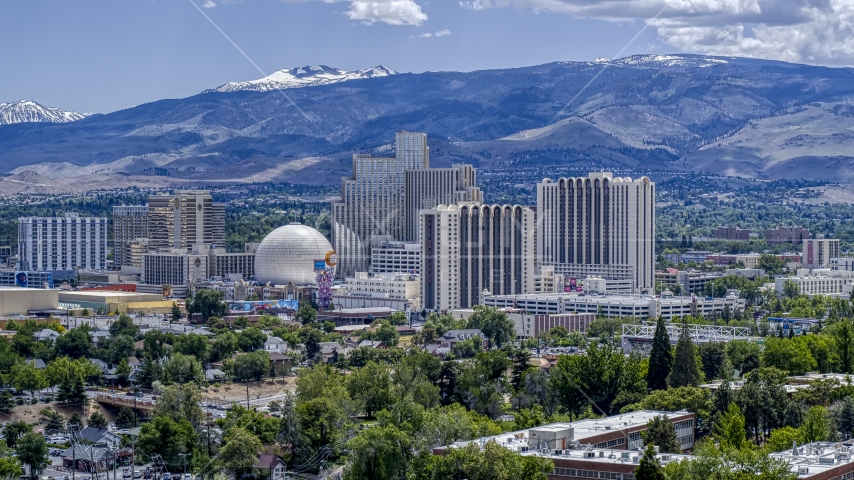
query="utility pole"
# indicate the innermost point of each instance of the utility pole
(71, 427)
(247, 396)
(185, 455)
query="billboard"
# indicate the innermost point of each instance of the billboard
(266, 306)
(21, 280)
(320, 264)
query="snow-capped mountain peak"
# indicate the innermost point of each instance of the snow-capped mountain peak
(308, 76)
(29, 111)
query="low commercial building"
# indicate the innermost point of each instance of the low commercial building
(173, 272)
(222, 263)
(819, 281)
(607, 286)
(35, 279)
(748, 273)
(16, 300)
(842, 263)
(111, 301)
(639, 306)
(820, 460)
(529, 325)
(750, 260)
(594, 448)
(384, 285)
(689, 281)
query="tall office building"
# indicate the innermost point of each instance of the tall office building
(184, 219)
(130, 222)
(381, 198)
(819, 251)
(62, 243)
(469, 248)
(429, 188)
(599, 220)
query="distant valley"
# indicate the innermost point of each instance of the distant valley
(734, 116)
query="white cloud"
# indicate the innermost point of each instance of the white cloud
(810, 31)
(209, 4)
(440, 33)
(392, 12)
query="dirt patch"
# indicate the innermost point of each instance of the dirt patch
(237, 391)
(30, 413)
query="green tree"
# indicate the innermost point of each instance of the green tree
(660, 358)
(207, 303)
(224, 346)
(843, 416)
(14, 431)
(788, 355)
(120, 347)
(75, 343)
(791, 289)
(711, 462)
(10, 468)
(649, 468)
(816, 425)
(240, 322)
(168, 437)
(371, 386)
(729, 428)
(27, 378)
(781, 439)
(842, 332)
(713, 357)
(685, 370)
(306, 313)
(176, 313)
(180, 368)
(123, 326)
(251, 366)
(494, 323)
(32, 451)
(123, 370)
(530, 417)
(520, 358)
(239, 453)
(192, 344)
(772, 264)
(379, 453)
(488, 462)
(251, 339)
(743, 355)
(661, 432)
(311, 338)
(179, 402)
(126, 418)
(97, 420)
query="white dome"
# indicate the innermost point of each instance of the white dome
(288, 253)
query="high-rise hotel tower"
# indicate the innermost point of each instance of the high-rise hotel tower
(598, 225)
(381, 199)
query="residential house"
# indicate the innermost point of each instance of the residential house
(275, 344)
(45, 334)
(95, 458)
(453, 337)
(104, 366)
(437, 350)
(101, 335)
(271, 467)
(214, 375)
(202, 331)
(330, 352)
(377, 344)
(37, 362)
(95, 435)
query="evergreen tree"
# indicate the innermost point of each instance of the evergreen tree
(722, 398)
(685, 370)
(176, 312)
(843, 415)
(649, 467)
(77, 394)
(97, 420)
(729, 428)
(126, 418)
(64, 390)
(660, 359)
(75, 420)
(661, 433)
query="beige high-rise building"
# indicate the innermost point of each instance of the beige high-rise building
(469, 248)
(819, 251)
(130, 222)
(381, 199)
(598, 220)
(184, 219)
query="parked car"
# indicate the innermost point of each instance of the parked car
(137, 474)
(127, 474)
(187, 476)
(167, 476)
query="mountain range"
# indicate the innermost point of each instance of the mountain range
(738, 116)
(29, 111)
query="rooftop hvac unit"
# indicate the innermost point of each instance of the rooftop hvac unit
(625, 455)
(601, 453)
(665, 458)
(803, 470)
(589, 455)
(523, 448)
(636, 459)
(557, 451)
(825, 460)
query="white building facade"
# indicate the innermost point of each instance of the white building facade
(819, 251)
(599, 221)
(819, 281)
(395, 257)
(62, 243)
(469, 248)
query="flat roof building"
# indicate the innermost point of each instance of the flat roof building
(16, 300)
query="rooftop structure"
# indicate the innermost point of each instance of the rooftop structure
(639, 337)
(820, 460)
(618, 432)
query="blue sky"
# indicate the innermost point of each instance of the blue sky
(103, 55)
